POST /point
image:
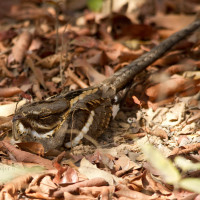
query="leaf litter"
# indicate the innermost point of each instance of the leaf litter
(38, 60)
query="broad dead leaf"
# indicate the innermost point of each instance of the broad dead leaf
(23, 156)
(32, 147)
(9, 92)
(9, 109)
(169, 87)
(174, 22)
(75, 187)
(94, 76)
(84, 41)
(10, 190)
(21, 46)
(91, 171)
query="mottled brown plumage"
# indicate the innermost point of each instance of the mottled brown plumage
(86, 111)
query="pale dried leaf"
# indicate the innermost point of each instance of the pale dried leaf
(91, 171)
(9, 109)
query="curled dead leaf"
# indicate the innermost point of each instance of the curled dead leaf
(75, 187)
(124, 191)
(10, 190)
(23, 156)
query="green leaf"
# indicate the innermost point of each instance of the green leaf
(95, 5)
(186, 164)
(164, 166)
(9, 172)
(191, 184)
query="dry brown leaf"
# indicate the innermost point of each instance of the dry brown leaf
(9, 92)
(122, 27)
(113, 54)
(187, 195)
(4, 119)
(170, 59)
(22, 156)
(108, 71)
(125, 164)
(78, 81)
(65, 175)
(32, 147)
(52, 87)
(185, 149)
(167, 88)
(135, 135)
(50, 61)
(75, 187)
(41, 186)
(124, 191)
(35, 44)
(151, 184)
(98, 59)
(36, 71)
(137, 101)
(5, 69)
(159, 133)
(155, 105)
(165, 33)
(6, 125)
(84, 41)
(69, 176)
(172, 21)
(60, 156)
(183, 139)
(94, 76)
(36, 88)
(38, 195)
(104, 191)
(47, 184)
(35, 184)
(21, 46)
(195, 117)
(135, 181)
(106, 159)
(8, 34)
(190, 91)
(28, 11)
(11, 189)
(178, 68)
(130, 56)
(91, 171)
(69, 196)
(104, 33)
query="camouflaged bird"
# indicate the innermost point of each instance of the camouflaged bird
(85, 111)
